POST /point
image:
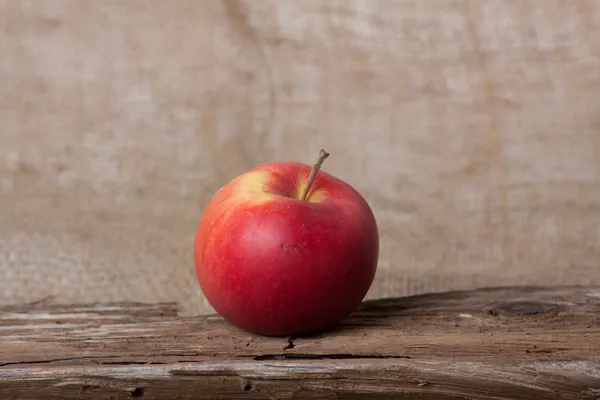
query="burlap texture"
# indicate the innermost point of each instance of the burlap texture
(471, 127)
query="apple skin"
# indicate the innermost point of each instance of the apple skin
(275, 265)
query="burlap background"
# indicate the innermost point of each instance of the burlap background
(472, 128)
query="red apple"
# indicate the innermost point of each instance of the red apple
(285, 249)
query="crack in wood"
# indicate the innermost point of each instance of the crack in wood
(290, 344)
(53, 360)
(337, 356)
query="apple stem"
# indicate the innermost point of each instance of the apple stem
(313, 173)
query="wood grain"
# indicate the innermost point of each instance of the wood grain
(504, 343)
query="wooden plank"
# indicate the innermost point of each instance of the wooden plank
(505, 343)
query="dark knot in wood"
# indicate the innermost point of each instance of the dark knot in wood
(523, 308)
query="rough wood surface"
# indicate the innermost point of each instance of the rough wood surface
(506, 343)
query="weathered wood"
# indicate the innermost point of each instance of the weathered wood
(507, 343)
